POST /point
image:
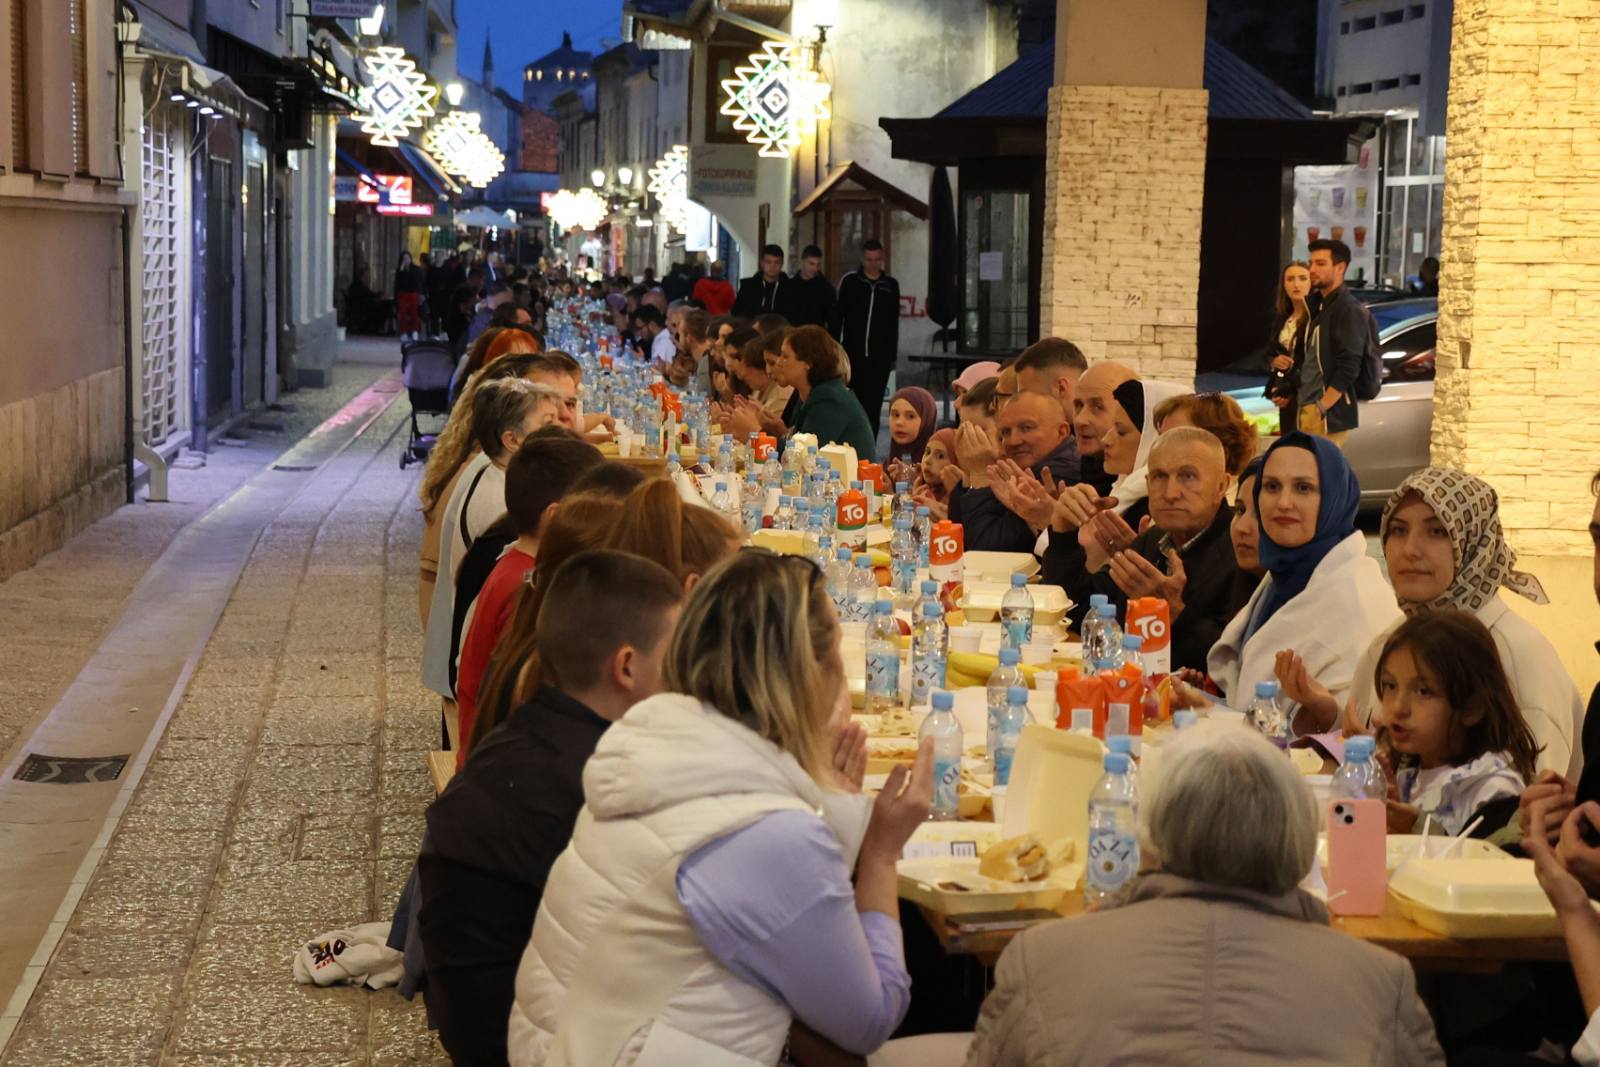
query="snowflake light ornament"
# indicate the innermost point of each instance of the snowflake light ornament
(669, 183)
(463, 149)
(582, 210)
(399, 98)
(774, 99)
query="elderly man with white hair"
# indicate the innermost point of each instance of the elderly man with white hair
(1211, 956)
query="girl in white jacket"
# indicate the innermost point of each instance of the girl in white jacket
(1324, 599)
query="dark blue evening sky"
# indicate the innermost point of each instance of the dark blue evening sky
(524, 30)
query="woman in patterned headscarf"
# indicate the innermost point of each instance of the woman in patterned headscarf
(1446, 551)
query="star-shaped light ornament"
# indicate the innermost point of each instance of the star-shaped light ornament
(775, 98)
(398, 99)
(669, 184)
(583, 210)
(463, 149)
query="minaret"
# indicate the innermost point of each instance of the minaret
(488, 64)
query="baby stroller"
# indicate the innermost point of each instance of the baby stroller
(426, 367)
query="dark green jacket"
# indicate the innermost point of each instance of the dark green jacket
(833, 413)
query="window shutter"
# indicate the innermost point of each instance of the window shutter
(78, 32)
(19, 85)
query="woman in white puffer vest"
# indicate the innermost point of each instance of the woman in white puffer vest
(705, 901)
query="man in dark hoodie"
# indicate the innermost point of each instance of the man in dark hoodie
(866, 321)
(814, 294)
(767, 290)
(505, 817)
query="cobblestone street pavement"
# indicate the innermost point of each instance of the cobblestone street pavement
(284, 799)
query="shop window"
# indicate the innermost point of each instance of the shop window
(994, 306)
(1383, 85)
(1413, 79)
(1360, 87)
(1391, 18)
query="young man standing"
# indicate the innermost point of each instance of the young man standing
(713, 291)
(866, 321)
(767, 290)
(1335, 346)
(494, 833)
(814, 294)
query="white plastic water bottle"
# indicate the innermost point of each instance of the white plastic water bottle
(674, 466)
(930, 594)
(883, 660)
(1001, 679)
(930, 646)
(802, 514)
(823, 556)
(838, 578)
(1090, 631)
(1113, 832)
(945, 729)
(794, 462)
(750, 505)
(1133, 653)
(1359, 777)
(722, 501)
(903, 560)
(725, 465)
(1268, 716)
(783, 518)
(923, 529)
(1110, 640)
(904, 506)
(1016, 614)
(771, 473)
(1123, 743)
(1012, 719)
(863, 589)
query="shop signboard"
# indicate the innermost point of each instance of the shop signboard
(1340, 202)
(722, 171)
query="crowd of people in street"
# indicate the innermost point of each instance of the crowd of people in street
(657, 848)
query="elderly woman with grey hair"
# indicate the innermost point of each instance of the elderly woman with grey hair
(1209, 957)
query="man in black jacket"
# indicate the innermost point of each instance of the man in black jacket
(500, 824)
(814, 294)
(1184, 556)
(866, 321)
(1336, 344)
(768, 290)
(1035, 436)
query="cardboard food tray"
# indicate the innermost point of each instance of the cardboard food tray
(982, 602)
(1474, 898)
(929, 881)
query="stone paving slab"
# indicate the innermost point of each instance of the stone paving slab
(284, 799)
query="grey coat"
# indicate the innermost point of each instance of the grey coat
(1187, 973)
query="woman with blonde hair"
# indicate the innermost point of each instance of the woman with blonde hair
(451, 451)
(705, 902)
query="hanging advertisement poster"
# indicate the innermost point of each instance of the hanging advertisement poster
(1341, 203)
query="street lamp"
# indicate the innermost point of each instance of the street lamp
(625, 175)
(372, 25)
(453, 93)
(598, 177)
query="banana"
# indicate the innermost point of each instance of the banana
(980, 665)
(958, 680)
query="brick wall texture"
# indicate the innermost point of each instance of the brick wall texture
(1519, 329)
(1124, 179)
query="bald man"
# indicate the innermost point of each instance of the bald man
(1092, 412)
(1034, 433)
(1184, 556)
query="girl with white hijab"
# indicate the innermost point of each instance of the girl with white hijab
(1446, 550)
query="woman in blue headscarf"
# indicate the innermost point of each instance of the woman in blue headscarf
(1324, 598)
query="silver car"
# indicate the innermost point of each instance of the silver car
(1397, 427)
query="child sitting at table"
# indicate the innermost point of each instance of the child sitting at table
(1456, 744)
(931, 490)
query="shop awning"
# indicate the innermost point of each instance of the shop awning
(850, 173)
(155, 36)
(429, 171)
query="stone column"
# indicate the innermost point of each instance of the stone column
(1124, 178)
(1519, 327)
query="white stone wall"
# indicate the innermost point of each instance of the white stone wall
(1519, 331)
(1122, 224)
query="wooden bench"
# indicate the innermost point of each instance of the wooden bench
(441, 768)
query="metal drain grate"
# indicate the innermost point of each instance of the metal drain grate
(71, 770)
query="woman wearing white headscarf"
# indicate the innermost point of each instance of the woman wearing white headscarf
(1446, 550)
(1127, 445)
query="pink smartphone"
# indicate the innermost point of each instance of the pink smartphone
(1358, 877)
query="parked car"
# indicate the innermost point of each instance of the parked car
(1397, 427)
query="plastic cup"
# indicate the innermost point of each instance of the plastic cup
(965, 638)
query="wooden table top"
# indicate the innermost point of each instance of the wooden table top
(1390, 930)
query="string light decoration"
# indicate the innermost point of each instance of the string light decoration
(775, 98)
(398, 98)
(463, 149)
(582, 210)
(669, 184)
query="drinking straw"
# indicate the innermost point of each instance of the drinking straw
(1462, 836)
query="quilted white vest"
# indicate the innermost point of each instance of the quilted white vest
(615, 975)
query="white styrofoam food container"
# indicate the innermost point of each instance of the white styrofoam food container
(982, 601)
(1475, 897)
(997, 566)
